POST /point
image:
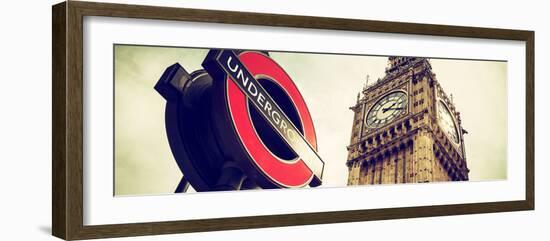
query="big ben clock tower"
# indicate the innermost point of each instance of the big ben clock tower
(406, 129)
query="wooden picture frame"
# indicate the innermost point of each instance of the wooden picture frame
(67, 124)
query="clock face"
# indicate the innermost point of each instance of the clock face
(446, 121)
(387, 109)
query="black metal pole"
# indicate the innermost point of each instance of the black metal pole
(182, 186)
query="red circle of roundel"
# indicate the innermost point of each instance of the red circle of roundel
(286, 174)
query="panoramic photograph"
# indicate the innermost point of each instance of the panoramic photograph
(197, 120)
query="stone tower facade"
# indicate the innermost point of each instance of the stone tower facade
(406, 129)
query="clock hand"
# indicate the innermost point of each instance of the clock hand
(390, 108)
(385, 109)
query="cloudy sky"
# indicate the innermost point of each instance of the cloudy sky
(328, 83)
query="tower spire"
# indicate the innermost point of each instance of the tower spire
(366, 82)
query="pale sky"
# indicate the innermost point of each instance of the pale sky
(329, 85)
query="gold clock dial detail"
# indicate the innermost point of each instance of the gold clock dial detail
(447, 122)
(387, 109)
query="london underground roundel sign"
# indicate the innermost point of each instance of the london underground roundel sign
(253, 123)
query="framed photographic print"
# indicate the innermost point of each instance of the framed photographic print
(170, 120)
